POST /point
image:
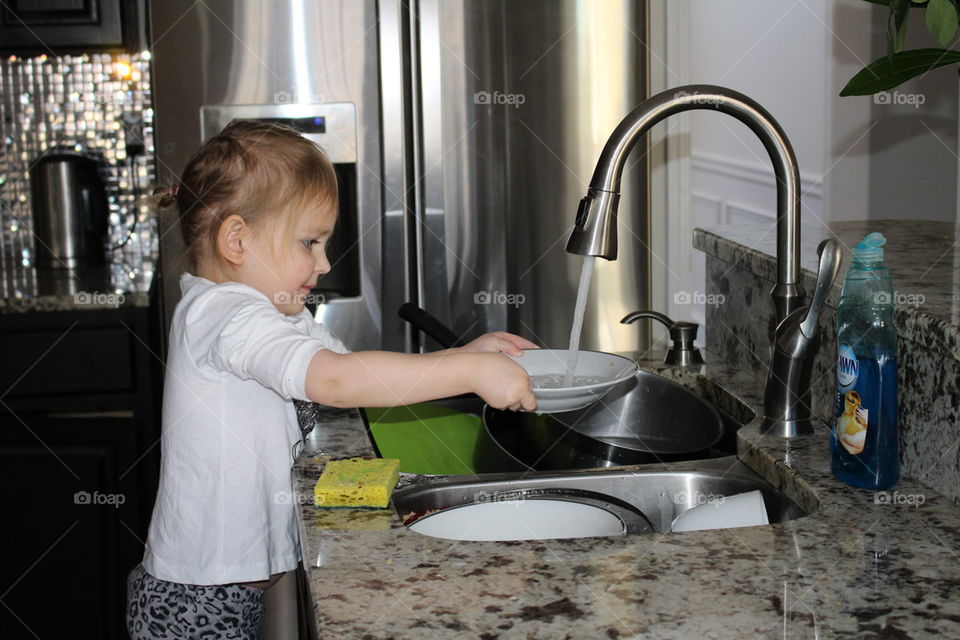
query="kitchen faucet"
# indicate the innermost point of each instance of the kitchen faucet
(595, 234)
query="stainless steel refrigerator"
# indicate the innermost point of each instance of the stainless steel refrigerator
(464, 133)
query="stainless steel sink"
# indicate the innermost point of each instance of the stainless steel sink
(660, 495)
(645, 498)
(653, 420)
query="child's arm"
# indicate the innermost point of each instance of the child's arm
(498, 341)
(383, 378)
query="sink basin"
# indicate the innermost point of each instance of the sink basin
(653, 420)
(645, 500)
(655, 409)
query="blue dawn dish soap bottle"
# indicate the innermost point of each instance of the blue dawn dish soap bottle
(864, 443)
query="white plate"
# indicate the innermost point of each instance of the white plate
(520, 520)
(610, 369)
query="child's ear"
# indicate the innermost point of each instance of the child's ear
(233, 231)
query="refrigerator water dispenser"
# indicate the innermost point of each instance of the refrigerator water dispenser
(333, 127)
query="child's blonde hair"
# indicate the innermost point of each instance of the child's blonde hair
(263, 172)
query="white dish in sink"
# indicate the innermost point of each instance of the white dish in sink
(595, 375)
(520, 520)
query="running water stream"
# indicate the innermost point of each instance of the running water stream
(586, 273)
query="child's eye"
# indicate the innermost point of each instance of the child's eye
(309, 243)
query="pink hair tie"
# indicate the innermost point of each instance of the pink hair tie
(173, 191)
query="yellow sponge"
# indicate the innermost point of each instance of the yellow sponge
(357, 482)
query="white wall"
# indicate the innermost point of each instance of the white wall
(913, 144)
(777, 53)
(858, 159)
(853, 27)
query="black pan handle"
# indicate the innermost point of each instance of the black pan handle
(425, 322)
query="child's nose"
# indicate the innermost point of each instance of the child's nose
(322, 265)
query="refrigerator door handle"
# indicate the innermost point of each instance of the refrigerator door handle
(402, 272)
(434, 245)
(415, 246)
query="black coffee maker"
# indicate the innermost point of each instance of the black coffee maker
(69, 223)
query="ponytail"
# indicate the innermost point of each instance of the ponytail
(163, 197)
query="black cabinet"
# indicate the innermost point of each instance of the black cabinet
(30, 27)
(76, 525)
(76, 360)
(79, 461)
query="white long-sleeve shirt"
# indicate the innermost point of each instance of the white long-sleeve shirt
(224, 511)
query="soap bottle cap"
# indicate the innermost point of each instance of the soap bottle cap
(870, 249)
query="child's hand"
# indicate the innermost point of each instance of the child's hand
(503, 384)
(500, 341)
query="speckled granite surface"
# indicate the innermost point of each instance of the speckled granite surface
(857, 567)
(82, 289)
(83, 301)
(924, 261)
(923, 257)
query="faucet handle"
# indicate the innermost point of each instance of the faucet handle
(830, 258)
(786, 399)
(682, 351)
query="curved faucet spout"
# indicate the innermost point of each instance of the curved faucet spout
(595, 233)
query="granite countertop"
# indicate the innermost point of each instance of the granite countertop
(923, 257)
(81, 301)
(857, 567)
(87, 288)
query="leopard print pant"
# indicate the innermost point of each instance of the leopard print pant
(157, 609)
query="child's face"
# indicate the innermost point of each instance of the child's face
(285, 265)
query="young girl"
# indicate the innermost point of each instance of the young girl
(257, 205)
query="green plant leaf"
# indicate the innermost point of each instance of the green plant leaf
(891, 71)
(897, 25)
(941, 17)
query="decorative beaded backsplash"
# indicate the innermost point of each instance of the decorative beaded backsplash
(98, 105)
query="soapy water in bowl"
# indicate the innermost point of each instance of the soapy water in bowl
(561, 381)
